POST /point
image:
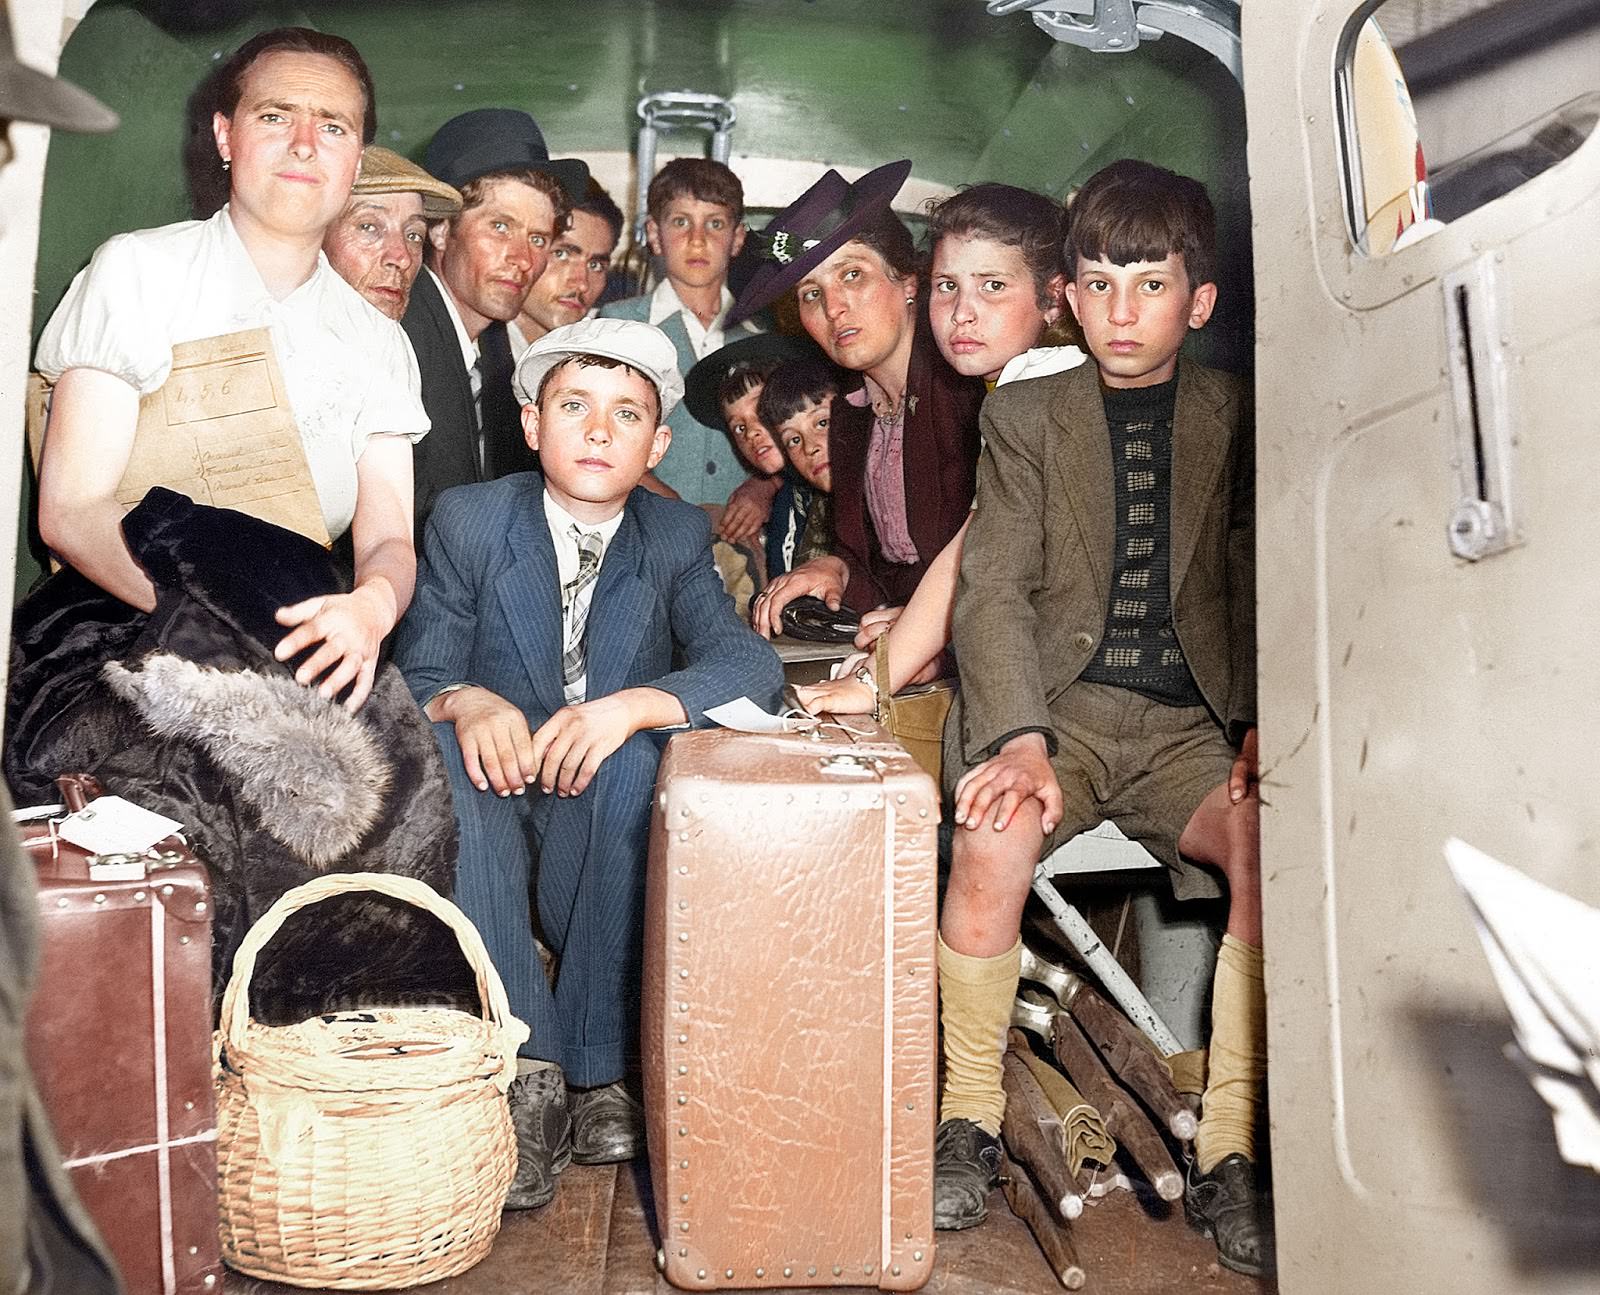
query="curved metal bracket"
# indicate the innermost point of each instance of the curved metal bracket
(679, 109)
(1118, 26)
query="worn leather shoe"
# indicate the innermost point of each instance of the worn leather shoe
(543, 1127)
(607, 1125)
(1229, 1205)
(966, 1164)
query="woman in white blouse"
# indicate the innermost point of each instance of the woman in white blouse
(295, 108)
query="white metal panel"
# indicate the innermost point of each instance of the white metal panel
(1407, 695)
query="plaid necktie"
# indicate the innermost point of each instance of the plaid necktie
(575, 596)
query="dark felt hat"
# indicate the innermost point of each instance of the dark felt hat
(812, 228)
(702, 383)
(27, 94)
(497, 139)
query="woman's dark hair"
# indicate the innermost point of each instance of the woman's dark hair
(745, 377)
(795, 385)
(220, 91)
(1134, 211)
(1003, 213)
(887, 235)
(295, 40)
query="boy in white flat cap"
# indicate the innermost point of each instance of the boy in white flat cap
(550, 610)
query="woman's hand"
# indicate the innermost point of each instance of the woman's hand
(349, 627)
(875, 624)
(823, 578)
(845, 695)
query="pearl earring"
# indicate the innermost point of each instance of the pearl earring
(226, 164)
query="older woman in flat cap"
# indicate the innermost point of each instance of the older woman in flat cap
(376, 243)
(294, 108)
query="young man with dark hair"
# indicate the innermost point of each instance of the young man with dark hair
(695, 226)
(480, 264)
(1105, 622)
(576, 273)
(563, 619)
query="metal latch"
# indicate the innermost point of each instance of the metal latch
(1483, 520)
(849, 763)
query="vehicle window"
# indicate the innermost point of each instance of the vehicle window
(1446, 105)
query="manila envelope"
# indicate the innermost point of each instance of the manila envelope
(219, 430)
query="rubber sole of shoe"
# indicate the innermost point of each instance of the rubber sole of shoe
(1207, 1229)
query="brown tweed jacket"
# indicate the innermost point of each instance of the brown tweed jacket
(1036, 569)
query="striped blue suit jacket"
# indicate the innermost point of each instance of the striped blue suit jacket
(487, 608)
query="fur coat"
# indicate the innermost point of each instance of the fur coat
(185, 712)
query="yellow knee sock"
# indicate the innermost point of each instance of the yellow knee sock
(975, 997)
(1237, 1071)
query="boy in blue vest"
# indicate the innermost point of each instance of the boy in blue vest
(696, 227)
(563, 620)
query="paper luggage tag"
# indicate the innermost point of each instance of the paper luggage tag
(111, 825)
(744, 716)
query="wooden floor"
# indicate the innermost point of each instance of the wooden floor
(598, 1238)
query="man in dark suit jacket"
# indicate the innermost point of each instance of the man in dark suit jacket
(560, 622)
(481, 263)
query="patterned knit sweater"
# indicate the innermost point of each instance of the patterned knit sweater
(1140, 649)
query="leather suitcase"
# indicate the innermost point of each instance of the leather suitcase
(119, 1039)
(790, 1011)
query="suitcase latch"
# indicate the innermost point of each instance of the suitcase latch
(847, 762)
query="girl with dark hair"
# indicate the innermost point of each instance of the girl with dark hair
(293, 110)
(996, 283)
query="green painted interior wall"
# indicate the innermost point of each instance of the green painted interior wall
(966, 96)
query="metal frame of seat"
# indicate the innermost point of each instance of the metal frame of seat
(1103, 849)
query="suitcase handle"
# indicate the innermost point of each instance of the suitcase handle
(78, 789)
(235, 1015)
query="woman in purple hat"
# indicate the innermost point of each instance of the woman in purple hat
(903, 445)
(294, 109)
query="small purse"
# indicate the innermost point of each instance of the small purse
(812, 621)
(914, 715)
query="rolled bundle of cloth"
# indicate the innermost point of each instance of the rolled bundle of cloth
(1084, 1139)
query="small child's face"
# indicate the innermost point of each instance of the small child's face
(805, 440)
(754, 443)
(596, 434)
(696, 239)
(984, 304)
(1134, 317)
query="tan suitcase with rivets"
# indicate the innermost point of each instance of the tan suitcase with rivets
(790, 1011)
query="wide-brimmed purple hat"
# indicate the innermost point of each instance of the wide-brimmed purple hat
(812, 228)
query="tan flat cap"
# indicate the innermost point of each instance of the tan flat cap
(385, 171)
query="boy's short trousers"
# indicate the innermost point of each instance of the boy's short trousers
(1144, 766)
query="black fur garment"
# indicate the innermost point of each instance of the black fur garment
(185, 712)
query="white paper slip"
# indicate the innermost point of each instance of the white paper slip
(1544, 950)
(112, 825)
(745, 716)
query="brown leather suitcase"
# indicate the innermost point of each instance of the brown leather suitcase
(790, 1011)
(119, 1039)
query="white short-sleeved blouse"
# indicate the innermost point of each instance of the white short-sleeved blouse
(350, 371)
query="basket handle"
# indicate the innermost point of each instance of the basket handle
(491, 991)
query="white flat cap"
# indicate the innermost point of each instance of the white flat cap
(643, 346)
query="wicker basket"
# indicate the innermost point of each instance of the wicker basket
(364, 1150)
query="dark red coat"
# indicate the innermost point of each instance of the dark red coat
(941, 458)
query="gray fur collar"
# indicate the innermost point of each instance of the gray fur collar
(313, 772)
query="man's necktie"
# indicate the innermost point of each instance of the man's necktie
(575, 596)
(475, 377)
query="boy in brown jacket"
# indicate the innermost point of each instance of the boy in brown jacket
(1105, 625)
